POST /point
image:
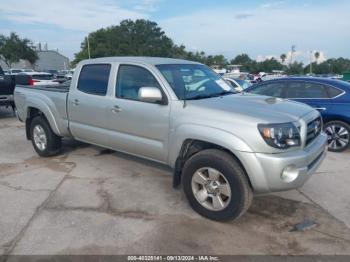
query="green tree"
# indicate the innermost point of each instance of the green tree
(130, 38)
(269, 65)
(331, 66)
(13, 48)
(216, 60)
(283, 58)
(295, 68)
(246, 62)
(317, 56)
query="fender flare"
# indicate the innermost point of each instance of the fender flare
(47, 112)
(203, 133)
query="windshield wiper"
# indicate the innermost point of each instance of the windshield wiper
(223, 93)
(198, 97)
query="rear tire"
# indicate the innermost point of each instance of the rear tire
(338, 134)
(45, 142)
(216, 186)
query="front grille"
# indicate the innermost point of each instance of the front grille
(314, 128)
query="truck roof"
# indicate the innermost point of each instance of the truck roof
(140, 59)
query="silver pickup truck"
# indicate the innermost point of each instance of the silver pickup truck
(223, 146)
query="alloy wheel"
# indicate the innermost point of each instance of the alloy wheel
(338, 136)
(40, 138)
(211, 188)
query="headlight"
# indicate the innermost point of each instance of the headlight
(280, 136)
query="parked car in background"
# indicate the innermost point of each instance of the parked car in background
(60, 78)
(331, 97)
(7, 86)
(238, 84)
(222, 146)
(40, 78)
(51, 71)
(15, 71)
(28, 70)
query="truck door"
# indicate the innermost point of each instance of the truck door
(86, 104)
(138, 127)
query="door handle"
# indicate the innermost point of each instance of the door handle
(320, 108)
(75, 102)
(116, 109)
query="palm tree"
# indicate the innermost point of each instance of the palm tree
(283, 58)
(317, 56)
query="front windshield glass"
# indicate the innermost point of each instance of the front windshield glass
(192, 81)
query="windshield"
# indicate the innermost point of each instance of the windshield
(192, 81)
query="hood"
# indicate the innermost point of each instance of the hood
(262, 109)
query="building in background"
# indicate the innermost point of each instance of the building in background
(51, 60)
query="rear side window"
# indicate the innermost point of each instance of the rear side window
(272, 89)
(306, 90)
(333, 92)
(93, 79)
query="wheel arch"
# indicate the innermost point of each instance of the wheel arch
(336, 118)
(191, 147)
(32, 112)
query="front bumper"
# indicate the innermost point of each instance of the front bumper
(284, 171)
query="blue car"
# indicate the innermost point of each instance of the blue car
(331, 97)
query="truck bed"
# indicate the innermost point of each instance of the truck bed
(51, 100)
(63, 88)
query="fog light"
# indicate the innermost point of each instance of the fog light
(289, 174)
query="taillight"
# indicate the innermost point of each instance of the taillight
(31, 81)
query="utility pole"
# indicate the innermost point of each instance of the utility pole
(291, 54)
(88, 43)
(311, 54)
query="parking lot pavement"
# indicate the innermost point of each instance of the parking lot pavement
(89, 200)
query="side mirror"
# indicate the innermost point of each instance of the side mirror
(150, 95)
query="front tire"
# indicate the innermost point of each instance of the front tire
(216, 186)
(338, 134)
(45, 142)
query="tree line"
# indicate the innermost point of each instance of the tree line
(13, 49)
(145, 38)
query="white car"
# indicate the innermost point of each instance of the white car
(15, 71)
(40, 78)
(238, 84)
(28, 70)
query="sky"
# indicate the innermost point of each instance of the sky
(260, 28)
